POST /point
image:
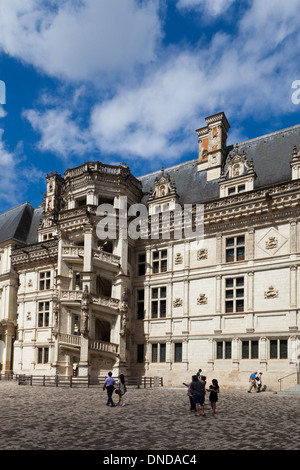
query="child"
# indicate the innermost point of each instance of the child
(213, 397)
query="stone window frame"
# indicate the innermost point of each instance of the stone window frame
(236, 297)
(45, 280)
(160, 311)
(160, 261)
(43, 314)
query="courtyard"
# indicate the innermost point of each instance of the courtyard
(154, 419)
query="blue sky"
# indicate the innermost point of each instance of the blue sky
(130, 81)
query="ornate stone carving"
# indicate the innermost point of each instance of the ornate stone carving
(202, 299)
(178, 258)
(271, 293)
(271, 243)
(202, 254)
(177, 303)
(85, 301)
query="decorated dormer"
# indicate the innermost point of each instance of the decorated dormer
(212, 140)
(238, 175)
(163, 197)
(295, 164)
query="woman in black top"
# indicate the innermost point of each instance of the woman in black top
(213, 396)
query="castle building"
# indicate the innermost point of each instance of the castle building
(192, 266)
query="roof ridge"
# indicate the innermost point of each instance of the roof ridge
(16, 207)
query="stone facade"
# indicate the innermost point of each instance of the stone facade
(156, 305)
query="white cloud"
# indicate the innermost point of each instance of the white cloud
(60, 133)
(8, 175)
(79, 40)
(213, 7)
(248, 74)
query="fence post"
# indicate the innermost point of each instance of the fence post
(71, 381)
(31, 380)
(88, 381)
(56, 380)
(44, 381)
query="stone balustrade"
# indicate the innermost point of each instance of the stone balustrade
(103, 346)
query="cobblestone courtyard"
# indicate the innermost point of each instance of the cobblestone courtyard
(46, 418)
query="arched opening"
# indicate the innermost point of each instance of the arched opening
(102, 330)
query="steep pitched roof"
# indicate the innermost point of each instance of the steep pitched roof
(15, 223)
(271, 155)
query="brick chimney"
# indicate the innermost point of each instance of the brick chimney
(212, 141)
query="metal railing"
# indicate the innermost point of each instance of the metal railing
(296, 382)
(84, 381)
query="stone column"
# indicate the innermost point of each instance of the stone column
(83, 367)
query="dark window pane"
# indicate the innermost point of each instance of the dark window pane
(254, 349)
(229, 282)
(240, 240)
(240, 292)
(40, 355)
(141, 294)
(142, 258)
(283, 349)
(156, 267)
(228, 350)
(245, 350)
(163, 308)
(162, 353)
(240, 254)
(178, 352)
(230, 242)
(164, 254)
(229, 294)
(41, 316)
(240, 281)
(154, 293)
(219, 350)
(164, 266)
(240, 305)
(140, 353)
(229, 255)
(229, 307)
(156, 255)
(163, 292)
(154, 309)
(142, 269)
(140, 311)
(273, 349)
(154, 352)
(46, 355)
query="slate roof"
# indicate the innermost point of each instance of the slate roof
(20, 224)
(271, 155)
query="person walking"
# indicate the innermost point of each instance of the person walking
(258, 381)
(122, 389)
(189, 393)
(198, 392)
(109, 385)
(252, 381)
(199, 373)
(213, 396)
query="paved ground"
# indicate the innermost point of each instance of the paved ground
(46, 418)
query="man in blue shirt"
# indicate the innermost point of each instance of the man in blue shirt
(252, 381)
(109, 385)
